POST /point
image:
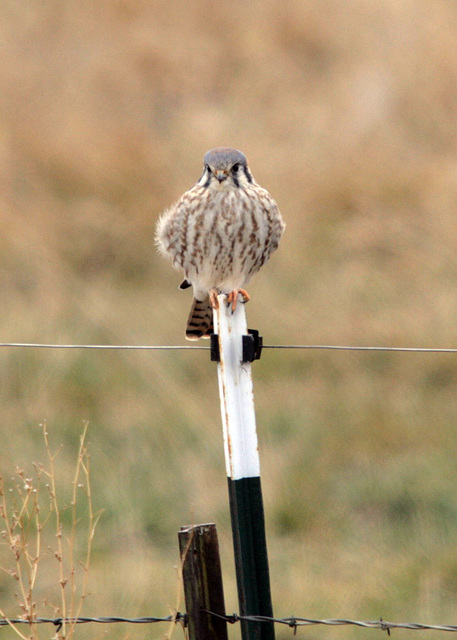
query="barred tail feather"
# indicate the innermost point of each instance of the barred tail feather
(200, 321)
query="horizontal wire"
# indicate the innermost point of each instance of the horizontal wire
(144, 347)
(361, 348)
(58, 622)
(381, 624)
(31, 345)
(291, 621)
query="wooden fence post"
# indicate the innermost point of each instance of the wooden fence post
(243, 471)
(202, 578)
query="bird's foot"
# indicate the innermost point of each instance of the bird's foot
(232, 297)
(214, 302)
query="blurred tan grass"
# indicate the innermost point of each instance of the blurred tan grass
(347, 114)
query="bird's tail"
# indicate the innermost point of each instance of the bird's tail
(200, 321)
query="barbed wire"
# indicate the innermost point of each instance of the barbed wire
(295, 622)
(292, 621)
(59, 622)
(177, 347)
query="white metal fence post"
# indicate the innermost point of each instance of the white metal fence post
(243, 471)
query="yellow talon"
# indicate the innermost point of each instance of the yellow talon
(232, 297)
(214, 302)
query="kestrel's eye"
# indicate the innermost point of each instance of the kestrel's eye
(235, 167)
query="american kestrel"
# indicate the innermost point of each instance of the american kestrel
(219, 233)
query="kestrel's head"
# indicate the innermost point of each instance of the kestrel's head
(225, 167)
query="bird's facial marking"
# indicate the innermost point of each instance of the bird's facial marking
(247, 173)
(235, 173)
(206, 177)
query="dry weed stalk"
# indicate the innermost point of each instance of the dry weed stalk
(26, 520)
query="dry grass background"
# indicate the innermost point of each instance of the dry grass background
(347, 113)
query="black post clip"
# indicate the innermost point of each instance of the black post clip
(252, 346)
(215, 353)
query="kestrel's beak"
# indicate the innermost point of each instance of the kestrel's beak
(221, 174)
